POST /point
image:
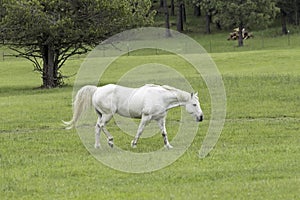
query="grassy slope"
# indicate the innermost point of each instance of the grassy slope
(255, 158)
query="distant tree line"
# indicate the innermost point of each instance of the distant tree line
(234, 13)
(48, 32)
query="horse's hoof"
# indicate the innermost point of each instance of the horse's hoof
(111, 144)
(133, 144)
(168, 146)
(97, 146)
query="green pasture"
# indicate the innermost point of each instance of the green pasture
(256, 157)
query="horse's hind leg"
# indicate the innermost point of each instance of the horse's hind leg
(97, 133)
(104, 119)
(101, 122)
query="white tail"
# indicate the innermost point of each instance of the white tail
(82, 101)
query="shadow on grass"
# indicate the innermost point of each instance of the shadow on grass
(29, 90)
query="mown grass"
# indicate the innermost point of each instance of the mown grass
(256, 156)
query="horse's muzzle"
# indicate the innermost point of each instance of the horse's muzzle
(200, 118)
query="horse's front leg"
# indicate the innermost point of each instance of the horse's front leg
(144, 121)
(162, 126)
(110, 139)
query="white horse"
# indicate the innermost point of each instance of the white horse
(149, 102)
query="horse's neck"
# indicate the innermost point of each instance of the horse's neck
(178, 98)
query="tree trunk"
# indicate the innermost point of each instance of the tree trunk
(183, 12)
(296, 6)
(161, 3)
(197, 11)
(172, 8)
(167, 20)
(240, 39)
(218, 25)
(283, 22)
(180, 16)
(50, 79)
(208, 19)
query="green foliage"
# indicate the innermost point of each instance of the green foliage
(2, 10)
(258, 13)
(54, 30)
(208, 5)
(291, 9)
(63, 22)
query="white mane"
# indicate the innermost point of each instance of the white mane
(180, 94)
(167, 87)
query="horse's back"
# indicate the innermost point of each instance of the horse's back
(111, 99)
(128, 102)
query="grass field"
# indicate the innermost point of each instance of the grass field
(256, 157)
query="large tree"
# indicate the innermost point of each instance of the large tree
(48, 32)
(180, 14)
(209, 7)
(289, 11)
(246, 13)
(167, 18)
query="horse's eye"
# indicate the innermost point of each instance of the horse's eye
(194, 104)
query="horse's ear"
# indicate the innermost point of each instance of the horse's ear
(194, 94)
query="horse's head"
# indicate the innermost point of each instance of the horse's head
(193, 107)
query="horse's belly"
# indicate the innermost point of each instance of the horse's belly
(131, 110)
(128, 113)
(135, 103)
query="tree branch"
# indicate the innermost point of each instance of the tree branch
(76, 51)
(29, 56)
